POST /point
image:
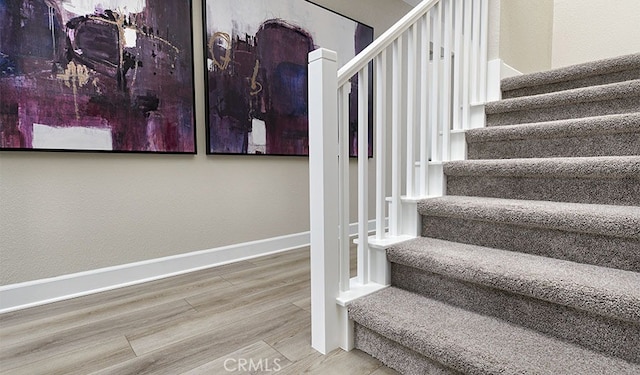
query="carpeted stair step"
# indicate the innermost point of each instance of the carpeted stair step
(602, 235)
(463, 341)
(596, 307)
(397, 356)
(617, 69)
(613, 180)
(614, 98)
(590, 136)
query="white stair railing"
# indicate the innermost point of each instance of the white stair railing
(430, 74)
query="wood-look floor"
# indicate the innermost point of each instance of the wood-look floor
(246, 317)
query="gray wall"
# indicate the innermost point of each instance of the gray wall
(63, 213)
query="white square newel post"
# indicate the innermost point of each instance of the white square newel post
(323, 188)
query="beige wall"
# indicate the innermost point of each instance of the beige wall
(539, 35)
(526, 29)
(586, 30)
(63, 213)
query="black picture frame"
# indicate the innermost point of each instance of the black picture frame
(75, 77)
(255, 55)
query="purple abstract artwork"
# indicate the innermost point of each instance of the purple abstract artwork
(103, 75)
(256, 52)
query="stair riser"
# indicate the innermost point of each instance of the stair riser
(624, 191)
(473, 343)
(396, 356)
(562, 112)
(573, 84)
(620, 144)
(577, 247)
(606, 335)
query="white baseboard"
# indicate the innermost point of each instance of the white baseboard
(509, 71)
(39, 292)
(496, 71)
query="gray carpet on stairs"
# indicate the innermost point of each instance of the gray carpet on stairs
(617, 69)
(589, 136)
(564, 299)
(472, 343)
(620, 191)
(396, 356)
(603, 220)
(613, 167)
(614, 98)
(582, 286)
(531, 262)
(590, 330)
(613, 180)
(614, 252)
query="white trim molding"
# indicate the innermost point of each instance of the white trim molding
(40, 292)
(497, 70)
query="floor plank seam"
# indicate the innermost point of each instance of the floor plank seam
(189, 303)
(131, 347)
(184, 325)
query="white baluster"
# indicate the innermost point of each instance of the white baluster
(344, 140)
(396, 139)
(466, 70)
(363, 175)
(484, 50)
(412, 46)
(475, 51)
(380, 152)
(458, 65)
(424, 104)
(445, 91)
(436, 148)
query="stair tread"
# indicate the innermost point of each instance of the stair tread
(473, 343)
(610, 124)
(582, 286)
(572, 72)
(567, 167)
(605, 220)
(612, 91)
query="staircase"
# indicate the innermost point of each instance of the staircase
(531, 262)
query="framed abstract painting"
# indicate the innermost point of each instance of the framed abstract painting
(256, 68)
(97, 75)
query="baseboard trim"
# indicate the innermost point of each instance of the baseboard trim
(497, 70)
(40, 292)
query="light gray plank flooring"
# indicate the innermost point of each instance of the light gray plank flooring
(247, 317)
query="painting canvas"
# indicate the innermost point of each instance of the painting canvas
(256, 59)
(99, 75)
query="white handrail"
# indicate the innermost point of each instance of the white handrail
(383, 41)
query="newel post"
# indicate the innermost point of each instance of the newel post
(323, 190)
